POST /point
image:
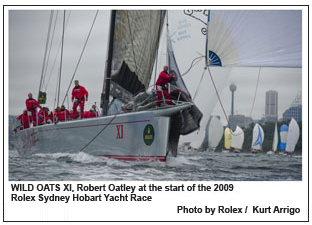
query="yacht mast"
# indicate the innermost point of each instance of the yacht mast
(107, 77)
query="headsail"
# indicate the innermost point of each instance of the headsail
(136, 38)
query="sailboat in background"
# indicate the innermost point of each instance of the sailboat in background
(237, 139)
(257, 138)
(214, 131)
(227, 140)
(238, 38)
(292, 136)
(283, 134)
(276, 139)
(141, 131)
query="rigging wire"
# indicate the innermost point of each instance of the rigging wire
(254, 99)
(49, 54)
(46, 51)
(201, 79)
(59, 84)
(80, 57)
(58, 50)
(106, 125)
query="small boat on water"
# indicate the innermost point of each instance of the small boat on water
(237, 140)
(292, 136)
(227, 140)
(257, 139)
(276, 139)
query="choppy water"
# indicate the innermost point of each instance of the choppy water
(188, 166)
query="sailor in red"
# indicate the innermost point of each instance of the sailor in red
(43, 115)
(32, 105)
(80, 95)
(161, 86)
(25, 120)
(63, 114)
(92, 113)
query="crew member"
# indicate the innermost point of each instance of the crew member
(31, 105)
(63, 114)
(91, 113)
(161, 85)
(25, 120)
(43, 115)
(80, 95)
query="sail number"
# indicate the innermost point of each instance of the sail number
(119, 128)
(223, 187)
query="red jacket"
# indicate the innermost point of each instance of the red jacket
(43, 116)
(163, 78)
(90, 114)
(25, 120)
(79, 92)
(32, 104)
(63, 115)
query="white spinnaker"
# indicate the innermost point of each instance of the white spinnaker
(257, 137)
(256, 38)
(292, 135)
(238, 138)
(215, 132)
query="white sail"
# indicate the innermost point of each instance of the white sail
(257, 137)
(238, 138)
(266, 38)
(292, 135)
(236, 38)
(275, 139)
(215, 132)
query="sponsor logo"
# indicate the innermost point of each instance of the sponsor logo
(148, 134)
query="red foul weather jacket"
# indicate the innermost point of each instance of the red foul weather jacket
(79, 92)
(163, 79)
(32, 104)
(25, 120)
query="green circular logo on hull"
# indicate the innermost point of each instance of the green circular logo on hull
(148, 134)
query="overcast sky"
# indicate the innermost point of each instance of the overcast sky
(27, 38)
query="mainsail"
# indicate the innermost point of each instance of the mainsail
(136, 38)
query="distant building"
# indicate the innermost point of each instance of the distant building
(295, 110)
(239, 120)
(271, 106)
